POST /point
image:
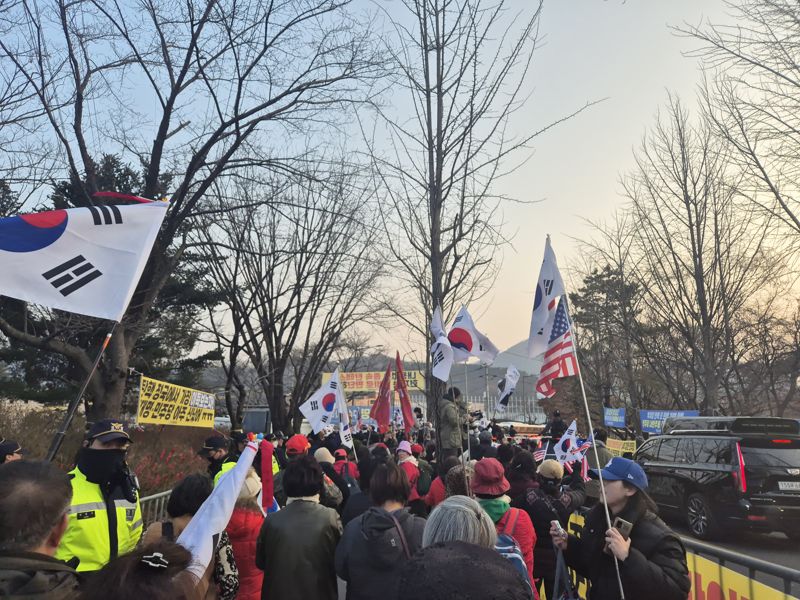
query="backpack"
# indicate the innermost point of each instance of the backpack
(424, 482)
(508, 549)
(507, 546)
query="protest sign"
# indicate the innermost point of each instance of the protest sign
(614, 417)
(162, 403)
(370, 381)
(653, 420)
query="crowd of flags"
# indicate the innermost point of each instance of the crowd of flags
(89, 260)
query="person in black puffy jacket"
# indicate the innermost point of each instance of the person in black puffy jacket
(549, 501)
(652, 562)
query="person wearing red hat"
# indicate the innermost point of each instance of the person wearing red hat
(343, 467)
(298, 446)
(489, 484)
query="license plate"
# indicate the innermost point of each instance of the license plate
(789, 486)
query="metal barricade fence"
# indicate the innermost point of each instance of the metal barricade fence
(154, 508)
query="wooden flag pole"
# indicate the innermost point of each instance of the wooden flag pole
(58, 439)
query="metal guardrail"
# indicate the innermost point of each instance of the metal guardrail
(154, 508)
(749, 564)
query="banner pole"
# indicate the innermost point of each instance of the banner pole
(58, 439)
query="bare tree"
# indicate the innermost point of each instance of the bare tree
(754, 97)
(186, 89)
(704, 256)
(462, 65)
(299, 272)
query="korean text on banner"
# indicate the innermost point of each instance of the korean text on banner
(653, 420)
(614, 417)
(163, 403)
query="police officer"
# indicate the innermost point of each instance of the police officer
(105, 518)
(216, 450)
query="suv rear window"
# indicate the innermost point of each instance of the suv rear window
(648, 450)
(674, 450)
(712, 451)
(769, 453)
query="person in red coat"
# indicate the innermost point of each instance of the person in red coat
(490, 486)
(407, 462)
(243, 529)
(438, 491)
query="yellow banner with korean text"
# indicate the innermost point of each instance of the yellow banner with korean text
(370, 381)
(162, 403)
(620, 447)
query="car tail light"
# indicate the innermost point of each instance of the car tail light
(781, 441)
(738, 475)
(756, 518)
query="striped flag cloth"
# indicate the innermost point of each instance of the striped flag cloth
(559, 359)
(83, 260)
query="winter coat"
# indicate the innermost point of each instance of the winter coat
(243, 531)
(412, 472)
(330, 473)
(654, 569)
(604, 454)
(371, 552)
(357, 505)
(517, 524)
(345, 468)
(436, 494)
(450, 425)
(543, 508)
(295, 549)
(30, 576)
(520, 484)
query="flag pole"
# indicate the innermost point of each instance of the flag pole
(596, 456)
(58, 439)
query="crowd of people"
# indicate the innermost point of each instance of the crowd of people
(392, 517)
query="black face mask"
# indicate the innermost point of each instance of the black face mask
(102, 466)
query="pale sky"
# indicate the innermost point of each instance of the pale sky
(592, 49)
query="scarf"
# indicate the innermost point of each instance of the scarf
(496, 507)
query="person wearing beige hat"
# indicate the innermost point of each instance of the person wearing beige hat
(550, 501)
(325, 459)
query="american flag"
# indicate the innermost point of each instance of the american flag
(539, 455)
(559, 359)
(584, 469)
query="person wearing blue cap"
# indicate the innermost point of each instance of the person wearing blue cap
(652, 559)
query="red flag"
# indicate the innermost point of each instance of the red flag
(401, 388)
(381, 409)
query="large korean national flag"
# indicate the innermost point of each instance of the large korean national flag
(83, 260)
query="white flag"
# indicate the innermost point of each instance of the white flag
(319, 409)
(202, 533)
(549, 288)
(345, 433)
(83, 260)
(506, 387)
(467, 341)
(441, 351)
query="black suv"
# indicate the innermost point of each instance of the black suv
(727, 471)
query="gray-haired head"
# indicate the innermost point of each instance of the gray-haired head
(459, 518)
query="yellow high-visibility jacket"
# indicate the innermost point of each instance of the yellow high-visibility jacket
(226, 466)
(100, 527)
